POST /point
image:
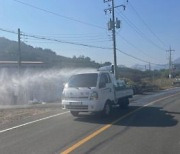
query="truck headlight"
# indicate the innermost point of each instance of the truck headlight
(94, 96)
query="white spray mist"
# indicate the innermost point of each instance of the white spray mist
(33, 86)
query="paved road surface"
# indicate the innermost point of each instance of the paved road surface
(150, 125)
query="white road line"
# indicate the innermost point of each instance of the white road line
(31, 122)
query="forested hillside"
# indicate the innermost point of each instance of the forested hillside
(9, 52)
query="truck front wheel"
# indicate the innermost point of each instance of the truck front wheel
(107, 110)
(75, 113)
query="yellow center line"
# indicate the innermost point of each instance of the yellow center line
(102, 129)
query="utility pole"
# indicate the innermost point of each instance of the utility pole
(170, 62)
(149, 66)
(114, 40)
(151, 73)
(112, 25)
(19, 50)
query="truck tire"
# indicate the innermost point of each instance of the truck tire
(75, 113)
(107, 110)
(124, 103)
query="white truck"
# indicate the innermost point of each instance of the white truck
(95, 92)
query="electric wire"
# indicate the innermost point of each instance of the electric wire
(134, 46)
(139, 59)
(139, 32)
(59, 15)
(148, 27)
(9, 31)
(66, 42)
(80, 44)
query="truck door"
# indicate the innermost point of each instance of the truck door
(105, 88)
(110, 85)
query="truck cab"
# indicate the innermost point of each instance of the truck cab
(91, 92)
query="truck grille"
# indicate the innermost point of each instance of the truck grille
(84, 107)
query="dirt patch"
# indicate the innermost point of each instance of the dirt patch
(10, 115)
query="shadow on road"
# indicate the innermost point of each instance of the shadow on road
(146, 117)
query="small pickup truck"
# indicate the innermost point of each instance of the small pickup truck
(95, 92)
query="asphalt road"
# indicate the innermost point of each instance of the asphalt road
(150, 125)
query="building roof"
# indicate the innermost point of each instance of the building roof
(22, 62)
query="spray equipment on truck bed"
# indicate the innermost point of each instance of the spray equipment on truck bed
(107, 68)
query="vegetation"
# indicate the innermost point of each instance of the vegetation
(9, 52)
(142, 81)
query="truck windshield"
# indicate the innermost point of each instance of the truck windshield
(83, 80)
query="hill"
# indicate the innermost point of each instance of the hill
(9, 52)
(153, 67)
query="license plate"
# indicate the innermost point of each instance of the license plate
(75, 103)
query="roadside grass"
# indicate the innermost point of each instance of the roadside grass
(150, 85)
(164, 83)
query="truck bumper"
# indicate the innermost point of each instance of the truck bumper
(82, 106)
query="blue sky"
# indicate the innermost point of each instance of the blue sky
(162, 16)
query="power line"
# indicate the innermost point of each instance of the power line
(66, 42)
(82, 22)
(35, 41)
(138, 49)
(79, 44)
(55, 40)
(9, 31)
(59, 15)
(139, 32)
(148, 27)
(85, 38)
(76, 37)
(132, 56)
(85, 45)
(82, 35)
(139, 59)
